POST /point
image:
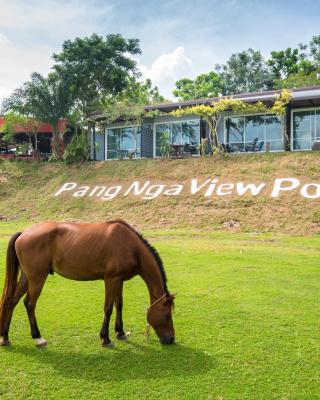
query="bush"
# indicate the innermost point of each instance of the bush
(78, 150)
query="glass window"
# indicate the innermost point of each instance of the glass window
(235, 130)
(306, 129)
(183, 133)
(113, 138)
(254, 133)
(273, 128)
(317, 126)
(124, 142)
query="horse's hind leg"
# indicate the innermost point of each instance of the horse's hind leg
(119, 323)
(10, 305)
(30, 301)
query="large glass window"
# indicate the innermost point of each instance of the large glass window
(253, 133)
(306, 129)
(184, 133)
(124, 142)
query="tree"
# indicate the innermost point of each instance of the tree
(297, 80)
(97, 67)
(246, 71)
(136, 92)
(314, 46)
(29, 125)
(213, 113)
(204, 85)
(47, 100)
(290, 61)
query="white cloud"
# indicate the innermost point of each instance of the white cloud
(18, 62)
(167, 69)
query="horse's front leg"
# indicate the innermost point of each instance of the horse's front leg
(119, 323)
(112, 289)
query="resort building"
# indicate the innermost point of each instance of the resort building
(237, 133)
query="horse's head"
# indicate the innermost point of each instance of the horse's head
(159, 316)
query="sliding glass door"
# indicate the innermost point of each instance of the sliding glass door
(183, 133)
(305, 129)
(123, 142)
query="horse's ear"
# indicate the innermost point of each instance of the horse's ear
(170, 297)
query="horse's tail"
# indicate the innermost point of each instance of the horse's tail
(12, 270)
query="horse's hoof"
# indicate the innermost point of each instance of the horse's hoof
(107, 344)
(40, 342)
(4, 342)
(123, 337)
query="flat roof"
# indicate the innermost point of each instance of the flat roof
(301, 97)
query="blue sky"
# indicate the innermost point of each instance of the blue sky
(179, 38)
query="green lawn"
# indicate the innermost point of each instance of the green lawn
(246, 318)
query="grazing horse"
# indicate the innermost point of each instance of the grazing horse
(112, 251)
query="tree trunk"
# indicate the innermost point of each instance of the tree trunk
(56, 143)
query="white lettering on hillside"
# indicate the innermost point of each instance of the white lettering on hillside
(207, 188)
(284, 185)
(194, 185)
(66, 186)
(136, 189)
(315, 192)
(251, 187)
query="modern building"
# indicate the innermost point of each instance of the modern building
(237, 133)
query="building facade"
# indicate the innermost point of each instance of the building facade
(255, 133)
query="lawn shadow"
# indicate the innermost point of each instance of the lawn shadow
(133, 361)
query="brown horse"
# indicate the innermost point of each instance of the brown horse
(112, 251)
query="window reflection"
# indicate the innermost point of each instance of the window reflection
(185, 134)
(124, 142)
(306, 129)
(253, 133)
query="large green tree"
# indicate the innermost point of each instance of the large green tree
(204, 85)
(97, 67)
(246, 71)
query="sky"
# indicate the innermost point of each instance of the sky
(178, 38)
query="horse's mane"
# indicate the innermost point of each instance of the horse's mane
(151, 248)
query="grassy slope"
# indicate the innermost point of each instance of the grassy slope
(247, 312)
(246, 318)
(26, 193)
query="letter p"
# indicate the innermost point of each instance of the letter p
(284, 185)
(65, 187)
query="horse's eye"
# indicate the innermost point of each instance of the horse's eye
(168, 316)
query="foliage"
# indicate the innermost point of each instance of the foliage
(97, 67)
(78, 150)
(204, 85)
(127, 113)
(165, 144)
(30, 126)
(289, 61)
(298, 79)
(45, 99)
(245, 72)
(213, 113)
(137, 92)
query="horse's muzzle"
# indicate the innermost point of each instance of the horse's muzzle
(167, 339)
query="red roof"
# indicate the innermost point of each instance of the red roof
(44, 128)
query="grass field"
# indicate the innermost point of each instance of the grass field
(246, 318)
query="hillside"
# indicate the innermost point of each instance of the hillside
(27, 192)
